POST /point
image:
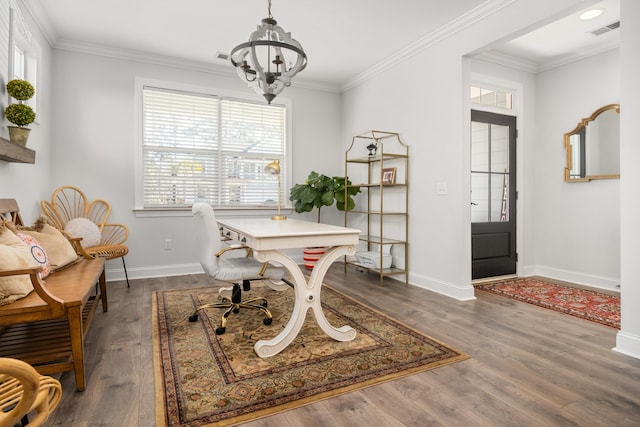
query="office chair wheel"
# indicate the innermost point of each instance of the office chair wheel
(264, 304)
(220, 330)
(193, 317)
(267, 321)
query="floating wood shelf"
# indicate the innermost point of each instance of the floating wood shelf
(10, 152)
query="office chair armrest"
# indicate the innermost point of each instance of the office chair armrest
(234, 248)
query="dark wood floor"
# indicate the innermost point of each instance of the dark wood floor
(528, 367)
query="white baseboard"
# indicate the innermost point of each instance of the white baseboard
(461, 293)
(153, 271)
(579, 278)
(628, 344)
(116, 274)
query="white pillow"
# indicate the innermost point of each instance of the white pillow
(82, 227)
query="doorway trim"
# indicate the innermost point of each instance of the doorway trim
(516, 88)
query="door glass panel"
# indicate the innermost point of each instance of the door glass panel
(489, 172)
(479, 147)
(499, 197)
(479, 197)
(499, 148)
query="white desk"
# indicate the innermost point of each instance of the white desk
(268, 238)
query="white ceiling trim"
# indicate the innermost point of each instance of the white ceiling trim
(458, 24)
(508, 61)
(578, 56)
(453, 27)
(44, 24)
(168, 61)
(531, 67)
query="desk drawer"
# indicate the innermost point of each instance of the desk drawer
(229, 234)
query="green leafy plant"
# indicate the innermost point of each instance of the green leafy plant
(20, 89)
(321, 190)
(20, 114)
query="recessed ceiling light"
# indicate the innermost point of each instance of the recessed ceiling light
(591, 13)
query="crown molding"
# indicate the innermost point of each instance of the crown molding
(522, 64)
(442, 33)
(578, 56)
(37, 13)
(173, 62)
(510, 61)
(34, 9)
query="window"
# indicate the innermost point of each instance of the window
(23, 54)
(490, 97)
(199, 147)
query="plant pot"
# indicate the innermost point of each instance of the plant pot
(311, 256)
(18, 135)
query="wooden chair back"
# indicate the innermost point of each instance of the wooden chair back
(9, 209)
(68, 202)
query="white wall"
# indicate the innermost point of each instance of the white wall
(27, 183)
(93, 99)
(628, 339)
(423, 98)
(577, 225)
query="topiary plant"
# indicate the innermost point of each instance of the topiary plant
(20, 114)
(20, 89)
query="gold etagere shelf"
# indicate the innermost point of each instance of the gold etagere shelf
(378, 163)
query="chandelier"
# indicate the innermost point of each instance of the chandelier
(269, 46)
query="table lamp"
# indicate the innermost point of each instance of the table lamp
(273, 168)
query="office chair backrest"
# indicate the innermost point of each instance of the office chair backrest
(208, 237)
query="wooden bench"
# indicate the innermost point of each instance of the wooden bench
(47, 328)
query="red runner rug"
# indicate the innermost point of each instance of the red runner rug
(586, 304)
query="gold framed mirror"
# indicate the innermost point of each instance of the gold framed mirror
(593, 147)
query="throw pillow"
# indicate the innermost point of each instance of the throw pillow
(14, 255)
(59, 250)
(38, 253)
(85, 228)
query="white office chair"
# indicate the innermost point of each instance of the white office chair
(231, 269)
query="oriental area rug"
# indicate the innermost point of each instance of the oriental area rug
(204, 379)
(583, 303)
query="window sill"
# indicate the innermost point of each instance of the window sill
(220, 212)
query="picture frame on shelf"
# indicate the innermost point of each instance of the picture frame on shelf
(388, 176)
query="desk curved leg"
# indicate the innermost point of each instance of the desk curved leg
(307, 297)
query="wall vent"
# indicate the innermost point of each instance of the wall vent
(222, 55)
(605, 29)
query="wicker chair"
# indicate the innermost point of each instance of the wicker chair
(23, 390)
(68, 202)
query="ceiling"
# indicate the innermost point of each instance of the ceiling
(564, 40)
(342, 39)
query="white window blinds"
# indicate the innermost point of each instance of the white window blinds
(211, 149)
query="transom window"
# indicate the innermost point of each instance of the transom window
(200, 147)
(491, 97)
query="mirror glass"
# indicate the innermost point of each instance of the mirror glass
(593, 147)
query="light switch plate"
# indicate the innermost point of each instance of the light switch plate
(441, 188)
